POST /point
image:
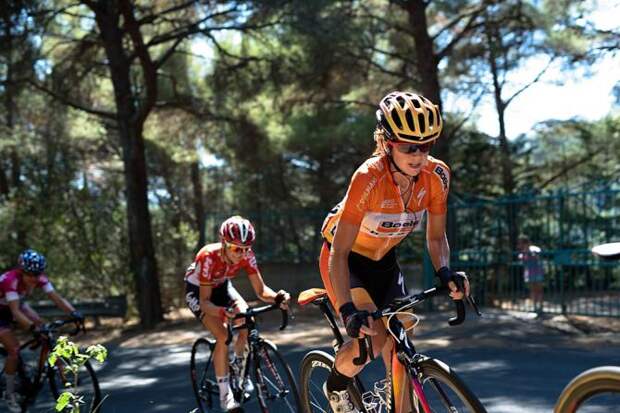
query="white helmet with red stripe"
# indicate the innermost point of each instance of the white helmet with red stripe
(237, 230)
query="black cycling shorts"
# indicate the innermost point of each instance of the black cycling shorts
(382, 279)
(224, 295)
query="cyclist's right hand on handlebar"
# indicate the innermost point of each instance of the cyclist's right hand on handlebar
(226, 313)
(357, 322)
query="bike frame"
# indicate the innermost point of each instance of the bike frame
(254, 342)
(403, 346)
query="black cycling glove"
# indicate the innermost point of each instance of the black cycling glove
(353, 319)
(446, 275)
(77, 316)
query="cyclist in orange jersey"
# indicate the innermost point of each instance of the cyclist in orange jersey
(388, 197)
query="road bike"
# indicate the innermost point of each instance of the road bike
(275, 385)
(35, 370)
(432, 385)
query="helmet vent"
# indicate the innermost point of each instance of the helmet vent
(422, 123)
(416, 103)
(401, 101)
(409, 118)
(396, 118)
(431, 117)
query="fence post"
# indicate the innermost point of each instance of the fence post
(562, 245)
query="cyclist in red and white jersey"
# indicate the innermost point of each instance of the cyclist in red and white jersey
(15, 285)
(212, 298)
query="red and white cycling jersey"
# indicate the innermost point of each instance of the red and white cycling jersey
(209, 267)
(13, 288)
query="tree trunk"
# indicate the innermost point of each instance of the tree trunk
(199, 207)
(130, 122)
(507, 166)
(426, 64)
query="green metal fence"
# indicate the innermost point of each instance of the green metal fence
(564, 224)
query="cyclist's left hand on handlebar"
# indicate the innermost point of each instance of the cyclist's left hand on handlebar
(456, 281)
(282, 299)
(77, 316)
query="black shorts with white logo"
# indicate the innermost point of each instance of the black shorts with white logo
(382, 279)
(224, 295)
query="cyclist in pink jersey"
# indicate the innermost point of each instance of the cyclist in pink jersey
(15, 285)
(209, 294)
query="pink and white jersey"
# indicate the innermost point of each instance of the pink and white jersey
(209, 267)
(13, 288)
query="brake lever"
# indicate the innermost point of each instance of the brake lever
(472, 303)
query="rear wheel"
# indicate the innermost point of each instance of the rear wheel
(203, 376)
(276, 388)
(85, 385)
(444, 390)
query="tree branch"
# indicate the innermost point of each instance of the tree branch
(76, 105)
(536, 79)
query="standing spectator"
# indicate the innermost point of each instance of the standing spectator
(533, 271)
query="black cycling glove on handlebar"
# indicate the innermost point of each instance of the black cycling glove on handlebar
(446, 275)
(280, 297)
(77, 316)
(353, 319)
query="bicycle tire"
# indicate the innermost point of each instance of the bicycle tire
(92, 398)
(590, 383)
(275, 384)
(202, 373)
(313, 398)
(437, 375)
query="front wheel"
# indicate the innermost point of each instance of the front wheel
(597, 389)
(444, 390)
(203, 376)
(276, 388)
(85, 385)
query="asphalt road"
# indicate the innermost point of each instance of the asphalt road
(513, 364)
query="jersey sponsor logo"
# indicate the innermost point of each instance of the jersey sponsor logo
(389, 203)
(383, 225)
(362, 202)
(420, 195)
(441, 173)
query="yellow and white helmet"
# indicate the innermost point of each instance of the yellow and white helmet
(407, 117)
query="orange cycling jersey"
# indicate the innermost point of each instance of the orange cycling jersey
(373, 201)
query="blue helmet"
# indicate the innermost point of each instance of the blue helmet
(32, 261)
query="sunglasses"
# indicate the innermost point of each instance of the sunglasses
(408, 148)
(234, 248)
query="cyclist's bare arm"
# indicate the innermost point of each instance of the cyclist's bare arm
(439, 249)
(262, 290)
(60, 302)
(19, 315)
(339, 265)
